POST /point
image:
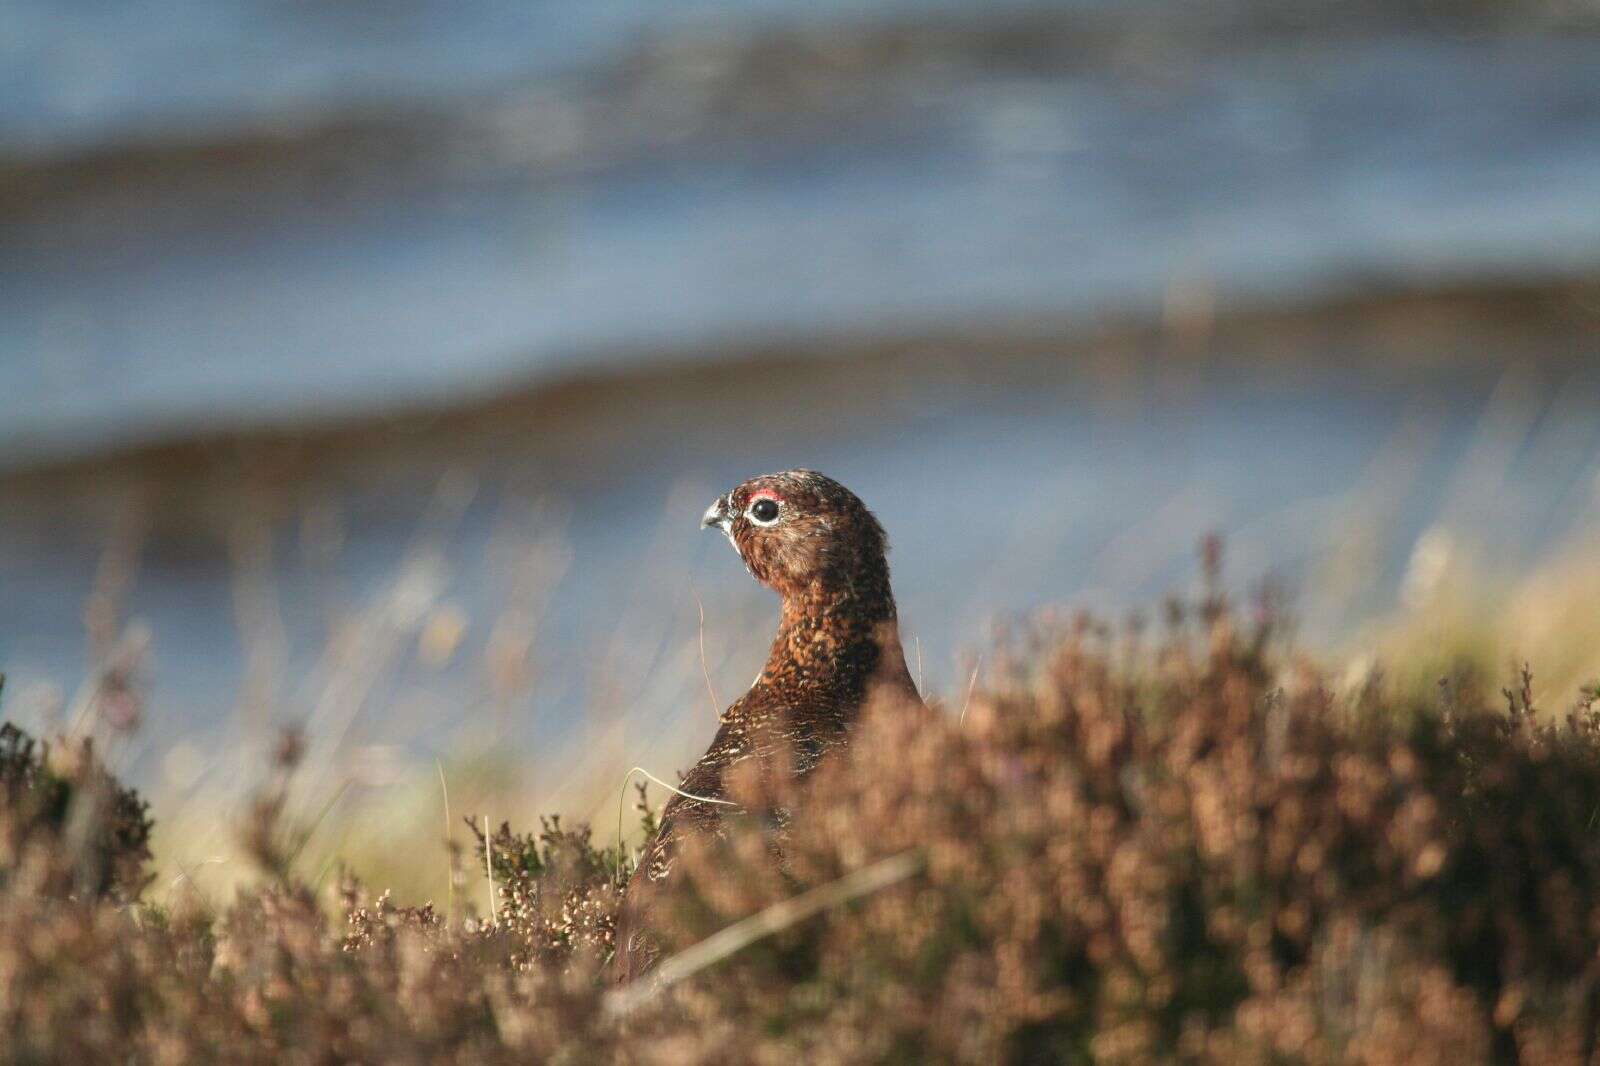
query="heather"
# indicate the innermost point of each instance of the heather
(1169, 842)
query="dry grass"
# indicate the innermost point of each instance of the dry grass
(1133, 848)
(1461, 620)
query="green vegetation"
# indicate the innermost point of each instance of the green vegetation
(68, 827)
(1128, 847)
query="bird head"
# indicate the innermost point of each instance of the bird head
(798, 530)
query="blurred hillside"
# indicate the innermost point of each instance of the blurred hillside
(277, 214)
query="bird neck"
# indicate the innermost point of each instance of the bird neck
(838, 635)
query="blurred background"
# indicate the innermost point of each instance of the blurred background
(366, 366)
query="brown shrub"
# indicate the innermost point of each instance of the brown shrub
(1188, 852)
(1210, 859)
(67, 827)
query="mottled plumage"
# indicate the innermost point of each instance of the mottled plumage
(809, 539)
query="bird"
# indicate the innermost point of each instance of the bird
(813, 542)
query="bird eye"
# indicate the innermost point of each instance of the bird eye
(764, 511)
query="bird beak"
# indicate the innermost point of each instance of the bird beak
(717, 515)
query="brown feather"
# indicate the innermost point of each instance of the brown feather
(837, 646)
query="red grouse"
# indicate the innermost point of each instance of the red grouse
(809, 539)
